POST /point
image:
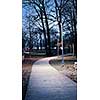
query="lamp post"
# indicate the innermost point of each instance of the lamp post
(62, 46)
(58, 44)
(60, 20)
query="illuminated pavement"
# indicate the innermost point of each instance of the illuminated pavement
(46, 83)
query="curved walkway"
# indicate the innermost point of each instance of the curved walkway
(46, 83)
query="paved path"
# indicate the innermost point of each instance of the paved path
(46, 83)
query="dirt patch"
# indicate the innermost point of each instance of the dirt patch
(69, 69)
(26, 71)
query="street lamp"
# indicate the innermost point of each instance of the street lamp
(58, 44)
(62, 46)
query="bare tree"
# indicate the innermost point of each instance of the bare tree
(46, 15)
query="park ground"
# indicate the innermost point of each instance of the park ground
(69, 69)
(26, 70)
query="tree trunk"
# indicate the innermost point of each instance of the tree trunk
(47, 31)
(44, 31)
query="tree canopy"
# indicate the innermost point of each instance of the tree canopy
(44, 22)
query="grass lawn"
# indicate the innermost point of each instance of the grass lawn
(69, 68)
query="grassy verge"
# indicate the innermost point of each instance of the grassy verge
(69, 69)
(26, 70)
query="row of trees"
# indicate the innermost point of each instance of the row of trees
(44, 22)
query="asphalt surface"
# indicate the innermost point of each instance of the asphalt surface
(46, 83)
